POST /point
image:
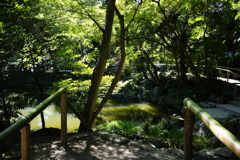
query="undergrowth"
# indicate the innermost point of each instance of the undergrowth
(165, 131)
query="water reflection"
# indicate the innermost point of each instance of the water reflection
(113, 110)
(52, 119)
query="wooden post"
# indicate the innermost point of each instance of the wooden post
(64, 118)
(188, 133)
(235, 91)
(227, 76)
(25, 142)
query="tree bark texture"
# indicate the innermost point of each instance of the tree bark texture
(101, 64)
(120, 66)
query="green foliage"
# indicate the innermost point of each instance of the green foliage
(78, 89)
(9, 106)
(122, 126)
(200, 141)
(164, 130)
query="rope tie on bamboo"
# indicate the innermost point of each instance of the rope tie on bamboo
(26, 117)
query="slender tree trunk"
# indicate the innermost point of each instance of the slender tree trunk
(5, 110)
(154, 73)
(100, 68)
(120, 66)
(40, 87)
(183, 68)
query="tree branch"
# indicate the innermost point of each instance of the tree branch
(133, 17)
(99, 26)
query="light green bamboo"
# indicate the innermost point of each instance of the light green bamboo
(217, 129)
(24, 120)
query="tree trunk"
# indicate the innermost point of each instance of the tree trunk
(183, 68)
(100, 68)
(40, 87)
(6, 113)
(153, 73)
(120, 66)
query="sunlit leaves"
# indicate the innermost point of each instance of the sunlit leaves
(236, 6)
(197, 19)
(198, 32)
(81, 68)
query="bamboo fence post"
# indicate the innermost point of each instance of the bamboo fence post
(25, 142)
(235, 91)
(227, 76)
(64, 118)
(188, 133)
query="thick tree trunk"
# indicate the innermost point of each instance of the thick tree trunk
(100, 68)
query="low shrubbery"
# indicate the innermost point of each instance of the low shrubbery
(165, 130)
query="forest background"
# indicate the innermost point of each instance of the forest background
(153, 50)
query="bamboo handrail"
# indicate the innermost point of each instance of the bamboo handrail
(216, 128)
(24, 120)
(236, 69)
(23, 123)
(227, 70)
(234, 83)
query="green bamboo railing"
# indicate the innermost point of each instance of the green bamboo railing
(23, 123)
(236, 69)
(24, 120)
(226, 137)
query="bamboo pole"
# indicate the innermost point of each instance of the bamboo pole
(235, 91)
(25, 142)
(64, 118)
(24, 120)
(188, 133)
(227, 76)
(216, 128)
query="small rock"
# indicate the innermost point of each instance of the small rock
(158, 154)
(117, 139)
(222, 153)
(203, 105)
(176, 151)
(143, 146)
(211, 105)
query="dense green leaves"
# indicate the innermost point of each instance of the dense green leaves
(63, 39)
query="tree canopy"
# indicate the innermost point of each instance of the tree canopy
(90, 45)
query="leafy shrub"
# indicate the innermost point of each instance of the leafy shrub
(9, 106)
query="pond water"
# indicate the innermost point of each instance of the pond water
(114, 110)
(52, 118)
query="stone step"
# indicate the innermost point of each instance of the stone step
(217, 112)
(234, 103)
(233, 109)
(237, 99)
